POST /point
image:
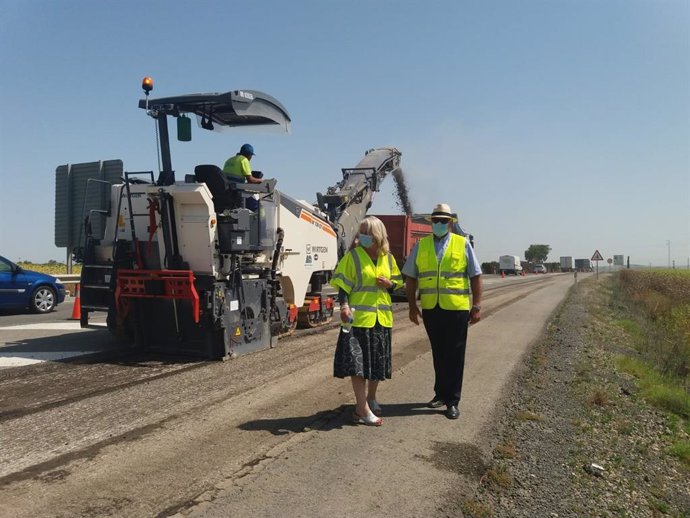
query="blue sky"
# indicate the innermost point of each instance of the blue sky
(564, 122)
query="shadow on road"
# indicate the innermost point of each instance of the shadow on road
(327, 420)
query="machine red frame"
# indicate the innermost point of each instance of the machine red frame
(176, 284)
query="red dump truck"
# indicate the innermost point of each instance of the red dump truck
(403, 233)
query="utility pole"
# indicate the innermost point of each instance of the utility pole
(668, 244)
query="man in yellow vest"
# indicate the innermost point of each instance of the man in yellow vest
(446, 271)
(237, 167)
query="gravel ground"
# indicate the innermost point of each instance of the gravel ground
(574, 440)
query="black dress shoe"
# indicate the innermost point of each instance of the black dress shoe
(435, 403)
(452, 412)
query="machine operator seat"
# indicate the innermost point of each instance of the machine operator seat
(220, 186)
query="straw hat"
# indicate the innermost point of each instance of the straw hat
(442, 210)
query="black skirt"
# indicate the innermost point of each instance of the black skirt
(364, 352)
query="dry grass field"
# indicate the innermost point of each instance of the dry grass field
(661, 301)
(51, 268)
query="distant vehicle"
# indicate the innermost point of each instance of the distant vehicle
(583, 265)
(510, 265)
(22, 289)
(566, 264)
(539, 268)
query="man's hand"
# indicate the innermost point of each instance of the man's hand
(415, 314)
(411, 290)
(475, 316)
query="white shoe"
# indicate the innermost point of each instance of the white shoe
(369, 420)
(374, 406)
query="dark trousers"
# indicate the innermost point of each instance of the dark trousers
(447, 332)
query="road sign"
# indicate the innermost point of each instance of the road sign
(597, 256)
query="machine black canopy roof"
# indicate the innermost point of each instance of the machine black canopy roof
(215, 112)
(225, 110)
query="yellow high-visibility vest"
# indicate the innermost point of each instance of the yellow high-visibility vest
(445, 284)
(238, 168)
(356, 274)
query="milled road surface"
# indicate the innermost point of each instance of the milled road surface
(267, 434)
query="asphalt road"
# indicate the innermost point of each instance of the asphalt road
(267, 434)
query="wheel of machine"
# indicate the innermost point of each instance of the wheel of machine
(43, 300)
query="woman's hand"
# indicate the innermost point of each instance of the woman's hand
(383, 282)
(345, 314)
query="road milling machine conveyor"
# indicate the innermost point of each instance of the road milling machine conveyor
(211, 267)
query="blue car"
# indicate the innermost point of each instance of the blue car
(21, 289)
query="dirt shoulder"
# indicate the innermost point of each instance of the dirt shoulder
(574, 439)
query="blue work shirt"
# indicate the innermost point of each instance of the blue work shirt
(440, 245)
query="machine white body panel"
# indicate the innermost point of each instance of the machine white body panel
(195, 222)
(310, 245)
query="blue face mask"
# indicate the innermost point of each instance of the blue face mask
(365, 240)
(439, 229)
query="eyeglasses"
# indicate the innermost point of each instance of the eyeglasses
(440, 220)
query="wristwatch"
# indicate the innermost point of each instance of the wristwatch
(477, 307)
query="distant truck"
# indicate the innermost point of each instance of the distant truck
(583, 265)
(509, 264)
(566, 263)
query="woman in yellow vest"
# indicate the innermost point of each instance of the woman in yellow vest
(364, 278)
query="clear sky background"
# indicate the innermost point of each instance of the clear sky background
(560, 122)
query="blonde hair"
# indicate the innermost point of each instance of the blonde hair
(373, 226)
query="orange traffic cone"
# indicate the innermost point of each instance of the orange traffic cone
(76, 308)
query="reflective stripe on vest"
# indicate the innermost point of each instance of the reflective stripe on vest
(446, 284)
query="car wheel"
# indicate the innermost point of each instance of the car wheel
(43, 300)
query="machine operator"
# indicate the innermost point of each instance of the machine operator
(238, 168)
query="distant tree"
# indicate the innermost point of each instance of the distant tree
(537, 253)
(491, 267)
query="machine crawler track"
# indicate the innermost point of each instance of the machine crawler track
(312, 315)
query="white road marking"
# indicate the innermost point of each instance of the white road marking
(32, 348)
(55, 326)
(8, 360)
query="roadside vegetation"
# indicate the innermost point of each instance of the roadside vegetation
(52, 267)
(599, 421)
(657, 305)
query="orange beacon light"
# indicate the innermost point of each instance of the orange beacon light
(147, 84)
